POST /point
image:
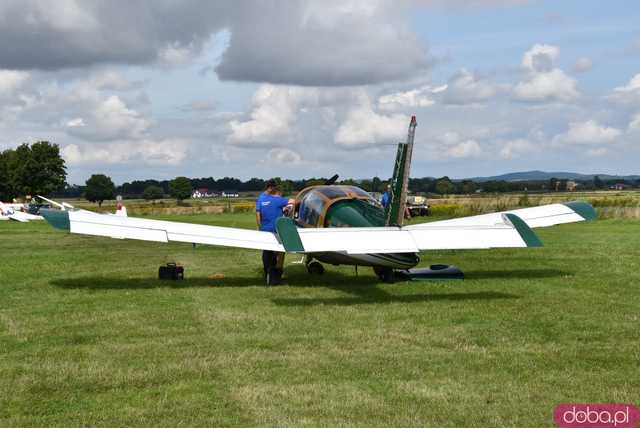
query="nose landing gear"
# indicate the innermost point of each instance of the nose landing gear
(387, 275)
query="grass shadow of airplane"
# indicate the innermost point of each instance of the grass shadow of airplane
(362, 289)
(294, 278)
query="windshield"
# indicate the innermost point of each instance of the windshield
(314, 201)
(311, 207)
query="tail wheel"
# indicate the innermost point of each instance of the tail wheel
(315, 268)
(385, 274)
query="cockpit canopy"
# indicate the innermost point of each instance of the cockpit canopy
(315, 202)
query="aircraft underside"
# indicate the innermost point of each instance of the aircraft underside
(393, 260)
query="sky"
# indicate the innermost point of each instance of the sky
(299, 89)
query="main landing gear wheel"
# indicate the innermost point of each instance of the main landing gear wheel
(385, 274)
(315, 268)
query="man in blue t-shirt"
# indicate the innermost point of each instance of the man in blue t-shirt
(385, 196)
(269, 206)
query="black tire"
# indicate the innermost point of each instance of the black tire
(386, 275)
(315, 268)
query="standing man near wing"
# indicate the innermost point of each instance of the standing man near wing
(269, 206)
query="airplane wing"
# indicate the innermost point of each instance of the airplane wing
(509, 229)
(113, 226)
(541, 216)
(498, 230)
(9, 212)
(513, 232)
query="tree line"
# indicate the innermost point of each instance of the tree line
(100, 187)
(36, 169)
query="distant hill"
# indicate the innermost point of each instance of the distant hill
(543, 176)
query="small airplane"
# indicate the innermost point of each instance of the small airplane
(16, 212)
(345, 225)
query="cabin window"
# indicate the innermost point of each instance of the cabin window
(310, 208)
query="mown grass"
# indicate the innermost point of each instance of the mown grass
(88, 336)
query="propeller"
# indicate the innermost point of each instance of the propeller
(332, 180)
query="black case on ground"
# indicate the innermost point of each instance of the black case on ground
(171, 271)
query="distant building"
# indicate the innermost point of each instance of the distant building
(571, 186)
(618, 186)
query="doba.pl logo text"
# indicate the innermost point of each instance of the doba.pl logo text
(596, 416)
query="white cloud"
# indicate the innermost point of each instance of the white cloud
(596, 153)
(544, 82)
(453, 145)
(632, 86)
(111, 81)
(284, 156)
(450, 137)
(175, 54)
(540, 58)
(274, 109)
(162, 152)
(200, 106)
(365, 126)
(416, 98)
(634, 125)
(516, 148)
(11, 80)
(588, 133)
(553, 85)
(109, 120)
(582, 65)
(69, 15)
(629, 93)
(465, 87)
(75, 123)
(73, 154)
(151, 152)
(323, 43)
(465, 149)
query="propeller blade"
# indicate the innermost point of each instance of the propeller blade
(332, 180)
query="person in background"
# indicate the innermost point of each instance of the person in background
(269, 206)
(385, 196)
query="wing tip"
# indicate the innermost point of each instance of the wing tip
(528, 236)
(583, 209)
(57, 218)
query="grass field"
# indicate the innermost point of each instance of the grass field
(88, 336)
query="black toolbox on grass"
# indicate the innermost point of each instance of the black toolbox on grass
(171, 271)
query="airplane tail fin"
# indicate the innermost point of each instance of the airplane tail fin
(394, 210)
